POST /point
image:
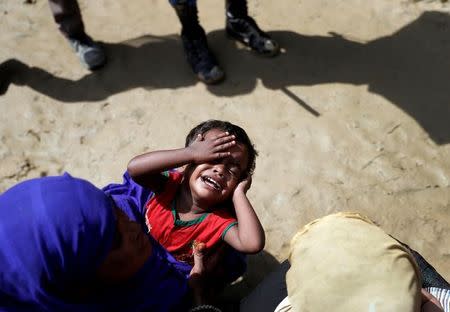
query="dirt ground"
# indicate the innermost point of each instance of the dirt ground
(353, 115)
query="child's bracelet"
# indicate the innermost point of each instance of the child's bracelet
(205, 308)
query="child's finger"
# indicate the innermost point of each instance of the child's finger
(221, 135)
(221, 139)
(199, 259)
(222, 155)
(199, 249)
(199, 137)
(224, 146)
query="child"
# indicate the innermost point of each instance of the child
(192, 205)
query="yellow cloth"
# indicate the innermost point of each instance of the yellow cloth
(343, 263)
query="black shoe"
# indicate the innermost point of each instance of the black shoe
(195, 45)
(90, 53)
(201, 59)
(245, 30)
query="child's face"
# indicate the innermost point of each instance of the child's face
(214, 182)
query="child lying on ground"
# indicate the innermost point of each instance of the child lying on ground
(197, 194)
(192, 205)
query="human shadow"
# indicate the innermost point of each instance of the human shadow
(258, 267)
(149, 62)
(410, 68)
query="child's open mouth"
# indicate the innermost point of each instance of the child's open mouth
(211, 182)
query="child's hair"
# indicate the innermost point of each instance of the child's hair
(238, 132)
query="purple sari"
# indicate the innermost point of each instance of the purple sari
(54, 233)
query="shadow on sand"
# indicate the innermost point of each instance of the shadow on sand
(259, 266)
(410, 68)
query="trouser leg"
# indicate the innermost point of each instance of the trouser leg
(195, 44)
(187, 14)
(179, 2)
(237, 8)
(68, 17)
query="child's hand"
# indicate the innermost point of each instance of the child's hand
(209, 149)
(243, 186)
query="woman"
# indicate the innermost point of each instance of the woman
(65, 246)
(344, 262)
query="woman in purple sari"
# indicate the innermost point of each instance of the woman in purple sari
(65, 245)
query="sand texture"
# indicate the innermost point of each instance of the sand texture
(353, 115)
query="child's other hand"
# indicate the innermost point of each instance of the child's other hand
(209, 149)
(243, 186)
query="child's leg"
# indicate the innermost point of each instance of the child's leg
(195, 45)
(243, 28)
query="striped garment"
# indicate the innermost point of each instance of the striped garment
(443, 295)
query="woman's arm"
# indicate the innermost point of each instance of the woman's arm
(248, 236)
(198, 282)
(430, 303)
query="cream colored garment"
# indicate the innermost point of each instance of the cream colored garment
(344, 263)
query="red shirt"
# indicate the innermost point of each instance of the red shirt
(177, 236)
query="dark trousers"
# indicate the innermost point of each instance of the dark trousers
(68, 17)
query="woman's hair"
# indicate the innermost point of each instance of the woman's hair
(238, 132)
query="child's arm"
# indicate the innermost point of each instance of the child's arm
(145, 169)
(248, 236)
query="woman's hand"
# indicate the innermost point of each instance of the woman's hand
(209, 149)
(196, 276)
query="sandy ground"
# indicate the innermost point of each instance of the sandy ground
(353, 115)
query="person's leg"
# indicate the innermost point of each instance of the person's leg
(240, 26)
(195, 45)
(68, 18)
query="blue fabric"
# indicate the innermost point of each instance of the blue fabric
(54, 233)
(132, 198)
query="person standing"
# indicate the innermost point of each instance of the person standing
(239, 26)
